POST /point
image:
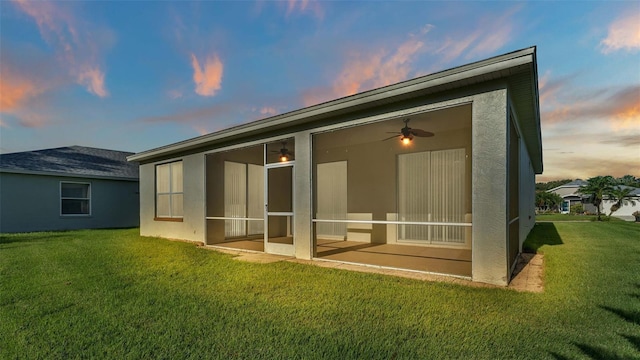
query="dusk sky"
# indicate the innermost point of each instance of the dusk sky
(135, 75)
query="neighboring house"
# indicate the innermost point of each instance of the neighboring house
(327, 182)
(68, 188)
(571, 196)
(631, 205)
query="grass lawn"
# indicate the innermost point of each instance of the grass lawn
(114, 294)
(572, 217)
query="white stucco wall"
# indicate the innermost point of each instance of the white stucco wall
(193, 225)
(625, 211)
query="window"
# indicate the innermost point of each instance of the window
(169, 190)
(431, 188)
(75, 198)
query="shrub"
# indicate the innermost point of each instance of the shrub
(576, 209)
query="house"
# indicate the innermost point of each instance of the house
(571, 196)
(631, 205)
(434, 174)
(68, 188)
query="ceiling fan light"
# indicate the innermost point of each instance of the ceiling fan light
(406, 140)
(284, 158)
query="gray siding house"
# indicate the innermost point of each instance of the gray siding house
(434, 174)
(68, 188)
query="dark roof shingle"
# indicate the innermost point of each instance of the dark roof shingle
(72, 160)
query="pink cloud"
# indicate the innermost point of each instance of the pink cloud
(317, 95)
(77, 44)
(15, 89)
(93, 80)
(268, 110)
(371, 70)
(207, 78)
(623, 34)
(618, 107)
(484, 38)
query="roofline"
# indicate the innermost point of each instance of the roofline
(60, 174)
(68, 146)
(497, 63)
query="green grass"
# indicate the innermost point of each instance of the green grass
(572, 217)
(114, 294)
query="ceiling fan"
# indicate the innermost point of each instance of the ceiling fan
(406, 134)
(284, 154)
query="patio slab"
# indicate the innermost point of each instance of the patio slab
(528, 272)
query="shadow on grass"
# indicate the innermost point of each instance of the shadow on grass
(30, 237)
(542, 234)
(599, 353)
(634, 340)
(631, 316)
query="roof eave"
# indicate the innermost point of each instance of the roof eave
(60, 174)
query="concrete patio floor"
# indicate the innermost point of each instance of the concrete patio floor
(528, 272)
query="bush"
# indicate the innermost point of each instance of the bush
(576, 209)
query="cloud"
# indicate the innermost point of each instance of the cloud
(618, 106)
(623, 34)
(305, 7)
(78, 45)
(93, 80)
(175, 94)
(488, 35)
(15, 89)
(627, 140)
(584, 167)
(207, 78)
(268, 110)
(368, 70)
(22, 85)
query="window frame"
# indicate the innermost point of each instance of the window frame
(171, 193)
(88, 198)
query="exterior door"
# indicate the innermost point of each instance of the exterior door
(279, 231)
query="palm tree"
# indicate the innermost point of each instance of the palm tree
(621, 196)
(548, 201)
(596, 188)
(628, 180)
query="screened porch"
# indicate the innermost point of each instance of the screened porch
(396, 193)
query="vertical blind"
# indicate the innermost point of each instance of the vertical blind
(169, 190)
(431, 189)
(255, 193)
(243, 197)
(332, 198)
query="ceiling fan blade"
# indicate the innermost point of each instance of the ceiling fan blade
(421, 133)
(389, 138)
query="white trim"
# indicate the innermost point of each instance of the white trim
(390, 222)
(232, 218)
